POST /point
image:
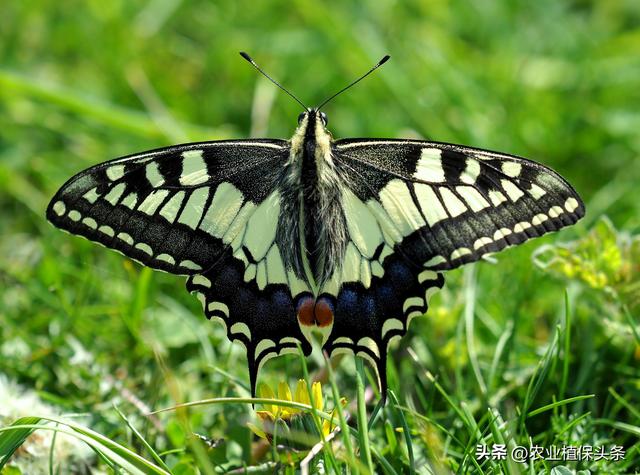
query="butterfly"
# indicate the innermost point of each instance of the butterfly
(283, 239)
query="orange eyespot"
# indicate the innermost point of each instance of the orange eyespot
(305, 312)
(323, 313)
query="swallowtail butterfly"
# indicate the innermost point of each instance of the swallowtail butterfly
(281, 239)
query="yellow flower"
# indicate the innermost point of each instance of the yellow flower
(291, 426)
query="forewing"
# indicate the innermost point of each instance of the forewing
(414, 209)
(207, 210)
(174, 209)
(449, 205)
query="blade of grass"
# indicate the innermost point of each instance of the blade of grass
(555, 404)
(622, 401)
(538, 377)
(363, 425)
(329, 456)
(567, 346)
(405, 428)
(469, 315)
(11, 440)
(115, 452)
(351, 459)
(146, 444)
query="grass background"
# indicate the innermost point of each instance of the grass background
(558, 82)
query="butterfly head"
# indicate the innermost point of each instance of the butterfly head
(314, 115)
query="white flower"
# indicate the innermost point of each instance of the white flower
(33, 456)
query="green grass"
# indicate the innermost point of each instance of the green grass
(539, 348)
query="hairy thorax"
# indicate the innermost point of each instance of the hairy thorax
(314, 244)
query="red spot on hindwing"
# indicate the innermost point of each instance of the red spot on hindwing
(313, 312)
(323, 313)
(305, 311)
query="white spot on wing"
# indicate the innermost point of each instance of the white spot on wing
(130, 200)
(451, 201)
(513, 192)
(365, 273)
(264, 345)
(429, 167)
(166, 258)
(201, 280)
(471, 171)
(458, 253)
(190, 265)
(363, 228)
(536, 192)
(59, 208)
(391, 324)
(115, 193)
(377, 269)
(152, 201)
(434, 261)
(275, 268)
(74, 215)
(90, 223)
(412, 302)
(368, 342)
(351, 264)
(496, 197)
(555, 211)
(343, 340)
(241, 328)
(218, 307)
(396, 200)
(430, 204)
(152, 172)
(521, 226)
(511, 169)
(170, 210)
(262, 226)
(427, 275)
(571, 205)
(261, 275)
(125, 238)
(115, 172)
(501, 233)
(473, 198)
(194, 169)
(250, 273)
(223, 209)
(144, 248)
(481, 242)
(91, 196)
(539, 219)
(194, 209)
(108, 230)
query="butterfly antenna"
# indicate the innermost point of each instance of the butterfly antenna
(255, 65)
(380, 63)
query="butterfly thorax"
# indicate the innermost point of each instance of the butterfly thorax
(314, 243)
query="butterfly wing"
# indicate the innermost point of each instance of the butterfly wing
(415, 209)
(206, 210)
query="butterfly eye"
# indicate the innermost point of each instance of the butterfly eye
(323, 118)
(300, 117)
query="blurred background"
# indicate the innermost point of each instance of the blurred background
(558, 82)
